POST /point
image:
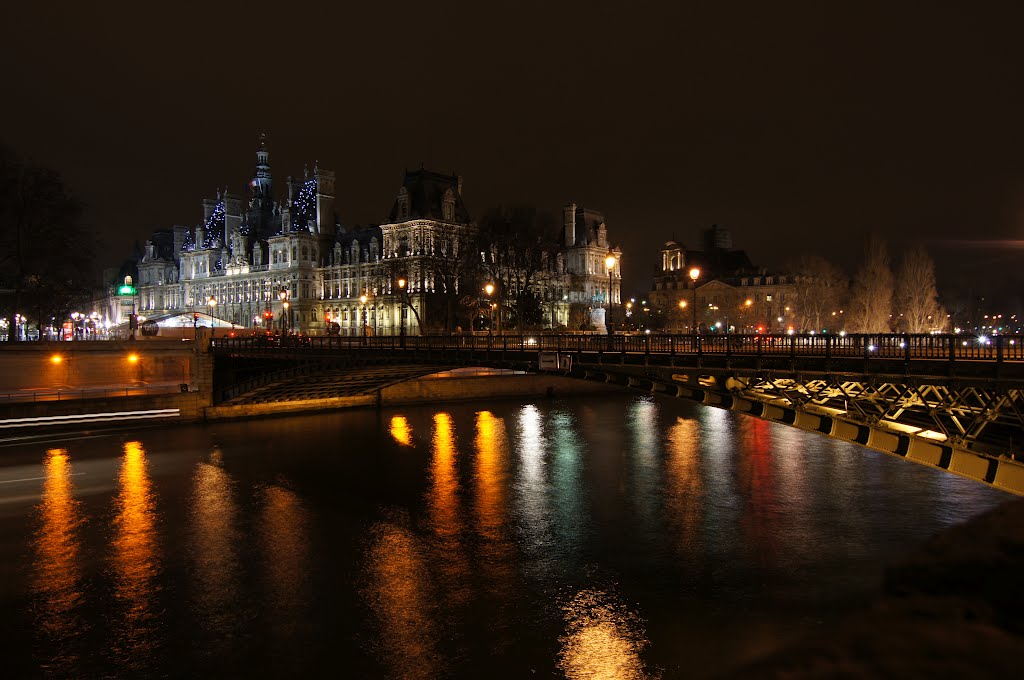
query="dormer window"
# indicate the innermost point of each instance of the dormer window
(403, 205)
(448, 206)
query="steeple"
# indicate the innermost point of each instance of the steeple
(261, 182)
(261, 206)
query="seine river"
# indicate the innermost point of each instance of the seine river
(619, 537)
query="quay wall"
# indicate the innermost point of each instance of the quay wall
(27, 366)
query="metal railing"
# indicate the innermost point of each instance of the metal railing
(999, 348)
(74, 393)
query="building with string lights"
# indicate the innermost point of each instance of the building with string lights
(289, 265)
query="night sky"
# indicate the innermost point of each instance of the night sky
(799, 127)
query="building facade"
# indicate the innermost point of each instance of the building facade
(728, 293)
(289, 266)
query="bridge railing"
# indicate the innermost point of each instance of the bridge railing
(1000, 348)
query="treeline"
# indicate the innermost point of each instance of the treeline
(46, 254)
(878, 298)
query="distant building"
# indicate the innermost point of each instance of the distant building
(587, 248)
(730, 290)
(289, 264)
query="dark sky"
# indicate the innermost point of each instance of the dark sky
(799, 127)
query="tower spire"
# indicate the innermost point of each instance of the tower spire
(261, 180)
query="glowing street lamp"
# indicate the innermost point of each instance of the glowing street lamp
(363, 299)
(489, 289)
(285, 319)
(401, 315)
(694, 275)
(609, 263)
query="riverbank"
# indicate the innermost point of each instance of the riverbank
(949, 609)
(429, 390)
(187, 407)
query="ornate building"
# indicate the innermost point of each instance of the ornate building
(260, 263)
(729, 292)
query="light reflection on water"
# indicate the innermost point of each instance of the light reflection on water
(284, 539)
(684, 489)
(603, 640)
(57, 571)
(623, 538)
(399, 594)
(136, 564)
(401, 431)
(214, 553)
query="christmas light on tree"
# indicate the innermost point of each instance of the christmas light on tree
(304, 206)
(214, 226)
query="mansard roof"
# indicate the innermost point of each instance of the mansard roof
(720, 263)
(425, 190)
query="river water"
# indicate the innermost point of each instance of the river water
(619, 537)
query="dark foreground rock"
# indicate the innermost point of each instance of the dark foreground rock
(952, 609)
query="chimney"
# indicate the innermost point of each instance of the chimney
(460, 184)
(569, 219)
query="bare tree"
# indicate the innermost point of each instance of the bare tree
(917, 299)
(820, 288)
(518, 246)
(870, 307)
(45, 254)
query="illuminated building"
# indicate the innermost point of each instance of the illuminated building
(727, 280)
(289, 264)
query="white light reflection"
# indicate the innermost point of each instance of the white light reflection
(531, 490)
(643, 421)
(568, 516)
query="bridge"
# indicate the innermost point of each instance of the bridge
(947, 401)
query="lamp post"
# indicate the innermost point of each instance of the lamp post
(212, 302)
(682, 312)
(401, 313)
(362, 299)
(284, 308)
(694, 275)
(609, 263)
(489, 289)
(195, 315)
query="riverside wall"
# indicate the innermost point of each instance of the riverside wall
(50, 366)
(427, 390)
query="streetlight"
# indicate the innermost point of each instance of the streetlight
(401, 315)
(694, 275)
(212, 303)
(362, 299)
(284, 308)
(489, 289)
(682, 311)
(609, 263)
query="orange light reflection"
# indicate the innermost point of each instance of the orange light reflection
(399, 595)
(284, 538)
(135, 561)
(214, 550)
(57, 570)
(401, 430)
(603, 639)
(684, 488)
